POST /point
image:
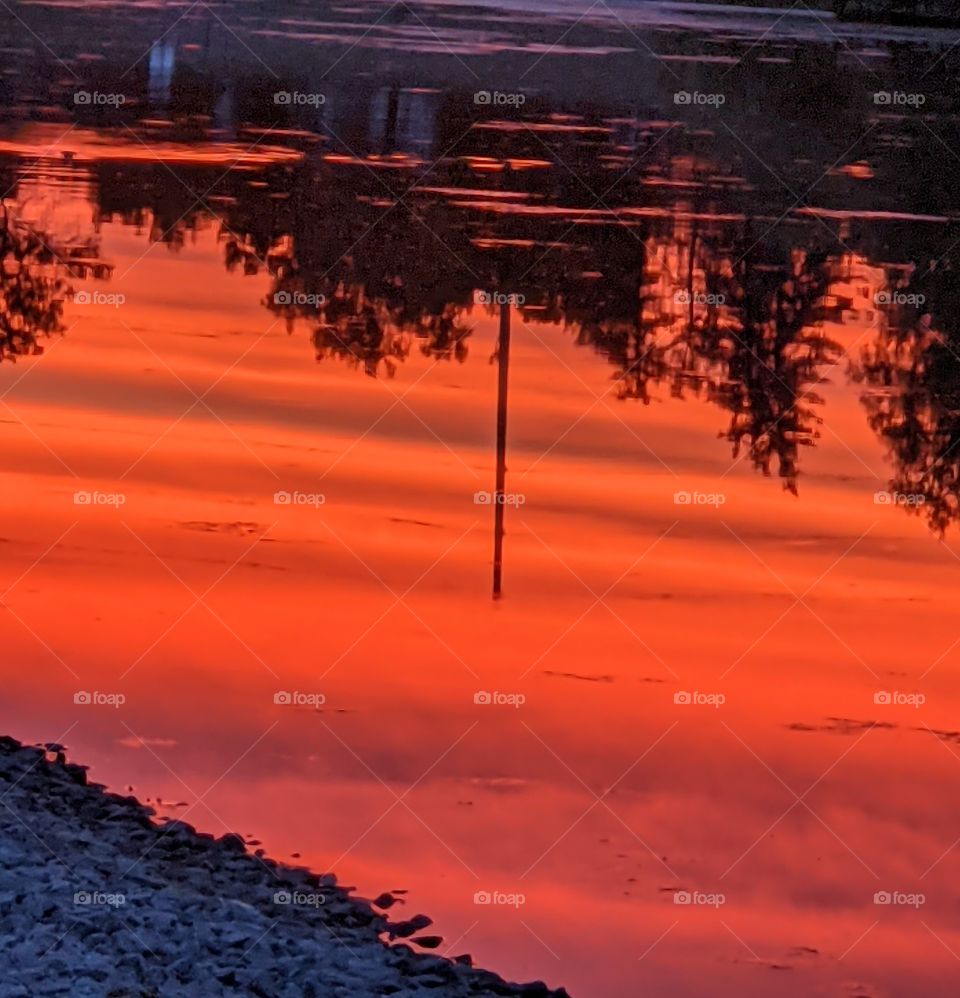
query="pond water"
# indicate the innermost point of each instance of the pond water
(705, 740)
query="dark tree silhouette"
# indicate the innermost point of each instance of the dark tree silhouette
(31, 289)
(382, 256)
(775, 353)
(911, 374)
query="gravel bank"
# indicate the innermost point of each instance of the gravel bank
(96, 899)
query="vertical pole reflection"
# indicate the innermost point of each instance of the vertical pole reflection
(503, 356)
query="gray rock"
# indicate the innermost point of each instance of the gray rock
(198, 918)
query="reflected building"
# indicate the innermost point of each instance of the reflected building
(160, 67)
(403, 120)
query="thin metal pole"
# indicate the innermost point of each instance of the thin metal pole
(503, 355)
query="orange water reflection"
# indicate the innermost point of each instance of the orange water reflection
(200, 598)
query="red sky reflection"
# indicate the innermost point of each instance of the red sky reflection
(596, 799)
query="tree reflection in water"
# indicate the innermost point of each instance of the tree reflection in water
(32, 287)
(668, 277)
(911, 378)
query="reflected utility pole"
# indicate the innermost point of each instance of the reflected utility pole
(503, 357)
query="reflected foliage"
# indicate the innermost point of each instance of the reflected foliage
(31, 289)
(773, 355)
(911, 374)
(654, 243)
(376, 270)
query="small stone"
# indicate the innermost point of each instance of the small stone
(411, 925)
(233, 842)
(427, 942)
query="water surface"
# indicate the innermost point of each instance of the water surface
(747, 303)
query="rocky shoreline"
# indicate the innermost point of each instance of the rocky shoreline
(98, 899)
